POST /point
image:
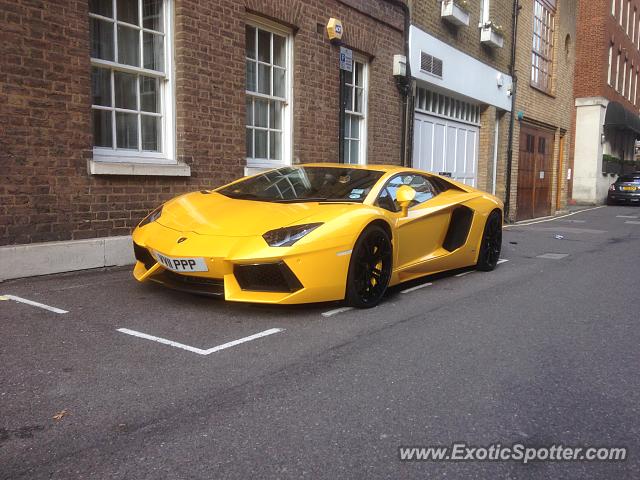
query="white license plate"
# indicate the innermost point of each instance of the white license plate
(182, 264)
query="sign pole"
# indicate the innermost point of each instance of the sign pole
(346, 65)
(342, 118)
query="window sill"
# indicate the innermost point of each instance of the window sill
(541, 90)
(95, 167)
(249, 170)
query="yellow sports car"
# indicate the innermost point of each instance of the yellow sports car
(318, 232)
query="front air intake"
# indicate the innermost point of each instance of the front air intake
(267, 277)
(143, 255)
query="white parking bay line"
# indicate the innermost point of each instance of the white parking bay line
(550, 219)
(417, 287)
(201, 351)
(336, 311)
(502, 260)
(632, 222)
(32, 303)
(626, 216)
(464, 273)
(553, 256)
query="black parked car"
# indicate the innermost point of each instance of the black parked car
(625, 189)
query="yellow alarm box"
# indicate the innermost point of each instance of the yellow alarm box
(334, 30)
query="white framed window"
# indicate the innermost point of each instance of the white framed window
(630, 82)
(621, 11)
(444, 106)
(618, 72)
(268, 55)
(610, 67)
(484, 12)
(633, 34)
(635, 89)
(355, 126)
(542, 48)
(628, 14)
(613, 7)
(131, 81)
(624, 78)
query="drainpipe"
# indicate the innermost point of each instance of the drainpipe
(512, 72)
(405, 88)
(494, 173)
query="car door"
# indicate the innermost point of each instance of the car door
(419, 235)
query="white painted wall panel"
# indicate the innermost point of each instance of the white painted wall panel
(442, 145)
(462, 73)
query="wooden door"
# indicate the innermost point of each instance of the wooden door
(535, 168)
(544, 170)
(526, 173)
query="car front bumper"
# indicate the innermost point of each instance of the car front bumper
(245, 269)
(628, 197)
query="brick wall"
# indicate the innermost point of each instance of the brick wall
(551, 111)
(425, 14)
(597, 30)
(45, 104)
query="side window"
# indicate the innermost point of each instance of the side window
(425, 190)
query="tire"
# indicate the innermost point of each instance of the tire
(491, 243)
(369, 268)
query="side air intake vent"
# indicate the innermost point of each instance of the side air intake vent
(459, 227)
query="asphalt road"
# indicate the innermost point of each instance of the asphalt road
(541, 351)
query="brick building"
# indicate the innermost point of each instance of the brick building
(459, 56)
(545, 61)
(109, 107)
(606, 91)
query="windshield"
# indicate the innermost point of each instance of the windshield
(629, 179)
(306, 184)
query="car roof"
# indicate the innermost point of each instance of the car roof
(388, 170)
(377, 168)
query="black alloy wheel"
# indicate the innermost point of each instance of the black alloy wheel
(370, 268)
(491, 243)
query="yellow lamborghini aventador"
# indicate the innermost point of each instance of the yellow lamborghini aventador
(318, 232)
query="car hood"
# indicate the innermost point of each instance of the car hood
(211, 213)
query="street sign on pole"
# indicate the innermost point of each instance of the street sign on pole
(346, 59)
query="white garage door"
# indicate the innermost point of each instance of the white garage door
(443, 145)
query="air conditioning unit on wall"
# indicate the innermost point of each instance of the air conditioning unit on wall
(491, 36)
(455, 12)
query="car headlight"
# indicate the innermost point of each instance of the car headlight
(152, 217)
(287, 236)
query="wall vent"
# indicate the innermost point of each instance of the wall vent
(431, 64)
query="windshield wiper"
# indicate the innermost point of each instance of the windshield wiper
(300, 200)
(242, 196)
(313, 199)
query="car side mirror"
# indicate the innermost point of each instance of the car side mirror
(405, 195)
